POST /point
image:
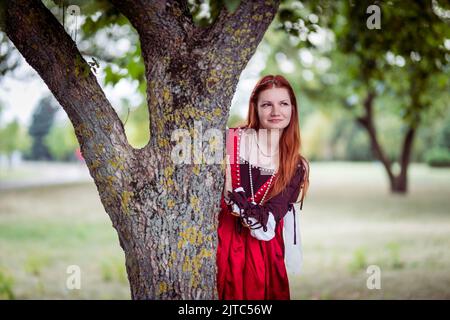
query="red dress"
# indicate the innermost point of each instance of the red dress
(248, 268)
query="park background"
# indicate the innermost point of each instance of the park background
(354, 216)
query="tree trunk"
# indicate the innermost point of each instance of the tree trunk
(165, 213)
(398, 183)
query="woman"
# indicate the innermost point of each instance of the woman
(266, 174)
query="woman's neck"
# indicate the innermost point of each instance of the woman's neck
(269, 139)
(263, 147)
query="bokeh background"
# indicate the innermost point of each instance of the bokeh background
(371, 93)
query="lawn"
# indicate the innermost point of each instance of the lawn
(349, 221)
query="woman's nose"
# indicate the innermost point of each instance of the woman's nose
(275, 110)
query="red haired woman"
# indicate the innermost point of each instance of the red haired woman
(265, 176)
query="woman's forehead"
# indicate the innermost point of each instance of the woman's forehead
(273, 94)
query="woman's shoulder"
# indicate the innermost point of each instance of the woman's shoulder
(236, 128)
(302, 162)
(302, 167)
(236, 131)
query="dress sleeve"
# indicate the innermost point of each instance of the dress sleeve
(263, 218)
(279, 204)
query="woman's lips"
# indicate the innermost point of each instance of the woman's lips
(275, 120)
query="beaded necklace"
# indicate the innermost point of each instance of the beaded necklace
(251, 186)
(251, 178)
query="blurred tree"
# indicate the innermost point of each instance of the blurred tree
(61, 142)
(407, 59)
(443, 140)
(42, 121)
(13, 137)
(235, 121)
(193, 53)
(439, 154)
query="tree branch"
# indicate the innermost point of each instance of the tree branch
(45, 45)
(229, 43)
(191, 71)
(160, 24)
(245, 26)
(367, 122)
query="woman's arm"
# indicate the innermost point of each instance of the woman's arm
(262, 219)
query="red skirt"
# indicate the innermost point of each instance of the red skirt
(248, 268)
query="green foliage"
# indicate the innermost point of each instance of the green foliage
(408, 69)
(61, 141)
(35, 263)
(108, 16)
(232, 5)
(394, 260)
(10, 137)
(358, 146)
(87, 7)
(205, 12)
(13, 137)
(359, 261)
(6, 285)
(112, 77)
(107, 272)
(235, 120)
(113, 269)
(443, 139)
(438, 157)
(137, 125)
(130, 67)
(402, 63)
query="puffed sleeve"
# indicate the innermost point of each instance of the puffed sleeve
(262, 219)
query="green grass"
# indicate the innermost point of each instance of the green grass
(13, 174)
(45, 230)
(349, 222)
(6, 285)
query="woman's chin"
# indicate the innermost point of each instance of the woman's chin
(271, 126)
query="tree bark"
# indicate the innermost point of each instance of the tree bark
(165, 214)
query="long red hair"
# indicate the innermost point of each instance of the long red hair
(290, 142)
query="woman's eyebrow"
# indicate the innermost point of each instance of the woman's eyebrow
(271, 101)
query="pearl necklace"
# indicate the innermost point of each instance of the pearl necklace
(260, 149)
(251, 177)
(251, 185)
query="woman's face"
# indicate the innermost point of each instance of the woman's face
(274, 108)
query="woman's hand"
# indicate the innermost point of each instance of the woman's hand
(238, 202)
(238, 197)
